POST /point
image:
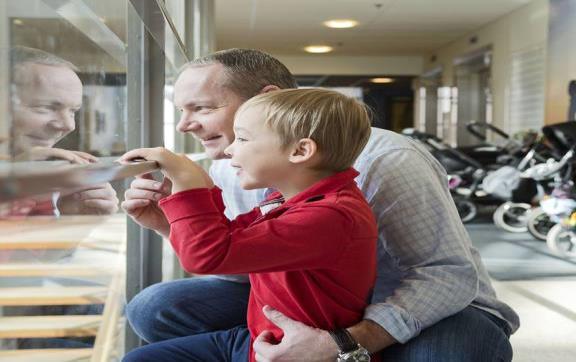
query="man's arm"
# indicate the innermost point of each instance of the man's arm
(301, 342)
(426, 268)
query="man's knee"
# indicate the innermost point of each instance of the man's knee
(470, 335)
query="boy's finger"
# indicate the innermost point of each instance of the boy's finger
(144, 153)
(166, 185)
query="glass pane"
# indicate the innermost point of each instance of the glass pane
(62, 254)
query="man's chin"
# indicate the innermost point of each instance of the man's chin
(215, 154)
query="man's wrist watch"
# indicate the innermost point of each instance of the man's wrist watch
(350, 350)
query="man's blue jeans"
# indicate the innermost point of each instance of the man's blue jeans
(206, 304)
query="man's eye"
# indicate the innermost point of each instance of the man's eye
(42, 109)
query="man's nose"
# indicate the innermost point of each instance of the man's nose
(64, 121)
(186, 124)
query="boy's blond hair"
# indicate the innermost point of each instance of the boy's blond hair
(338, 124)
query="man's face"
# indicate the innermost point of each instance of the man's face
(207, 107)
(46, 99)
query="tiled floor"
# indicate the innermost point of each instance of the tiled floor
(539, 286)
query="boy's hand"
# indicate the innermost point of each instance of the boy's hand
(141, 203)
(184, 173)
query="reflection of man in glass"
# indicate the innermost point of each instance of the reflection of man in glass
(46, 95)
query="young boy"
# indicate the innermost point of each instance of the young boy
(310, 248)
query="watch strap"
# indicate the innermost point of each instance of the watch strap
(344, 340)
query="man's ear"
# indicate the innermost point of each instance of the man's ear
(303, 150)
(269, 88)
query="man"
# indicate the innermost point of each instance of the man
(432, 300)
(47, 94)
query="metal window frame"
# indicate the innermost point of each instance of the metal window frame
(145, 82)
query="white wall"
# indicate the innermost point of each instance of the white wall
(352, 65)
(561, 58)
(522, 30)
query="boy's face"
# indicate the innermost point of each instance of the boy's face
(257, 153)
(44, 107)
(207, 107)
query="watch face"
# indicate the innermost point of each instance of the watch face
(358, 355)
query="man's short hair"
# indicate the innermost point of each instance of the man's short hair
(339, 125)
(20, 55)
(248, 70)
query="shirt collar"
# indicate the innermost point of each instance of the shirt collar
(325, 186)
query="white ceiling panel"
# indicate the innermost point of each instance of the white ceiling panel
(398, 27)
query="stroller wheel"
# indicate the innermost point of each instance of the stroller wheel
(466, 209)
(539, 224)
(512, 217)
(562, 241)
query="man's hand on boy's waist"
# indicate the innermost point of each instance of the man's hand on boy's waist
(300, 342)
(304, 343)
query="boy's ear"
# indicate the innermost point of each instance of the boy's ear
(303, 150)
(269, 88)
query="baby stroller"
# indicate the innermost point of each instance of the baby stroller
(465, 175)
(559, 202)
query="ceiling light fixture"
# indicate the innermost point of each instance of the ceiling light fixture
(17, 22)
(340, 23)
(318, 49)
(381, 80)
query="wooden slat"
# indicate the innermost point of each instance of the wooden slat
(52, 296)
(46, 355)
(53, 270)
(104, 345)
(49, 326)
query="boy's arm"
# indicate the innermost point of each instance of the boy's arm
(207, 243)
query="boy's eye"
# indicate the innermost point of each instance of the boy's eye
(240, 139)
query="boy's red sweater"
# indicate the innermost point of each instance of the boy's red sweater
(313, 258)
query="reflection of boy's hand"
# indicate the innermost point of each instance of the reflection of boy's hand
(46, 153)
(184, 173)
(141, 203)
(96, 200)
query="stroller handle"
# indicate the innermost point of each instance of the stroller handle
(474, 128)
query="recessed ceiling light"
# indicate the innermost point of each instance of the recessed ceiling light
(382, 80)
(17, 22)
(318, 49)
(341, 23)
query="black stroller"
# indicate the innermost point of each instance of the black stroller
(466, 174)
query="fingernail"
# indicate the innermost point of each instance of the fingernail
(157, 185)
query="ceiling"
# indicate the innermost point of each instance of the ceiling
(387, 27)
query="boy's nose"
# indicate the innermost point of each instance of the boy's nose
(228, 151)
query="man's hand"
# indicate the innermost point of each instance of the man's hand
(46, 153)
(300, 342)
(95, 200)
(184, 173)
(141, 203)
